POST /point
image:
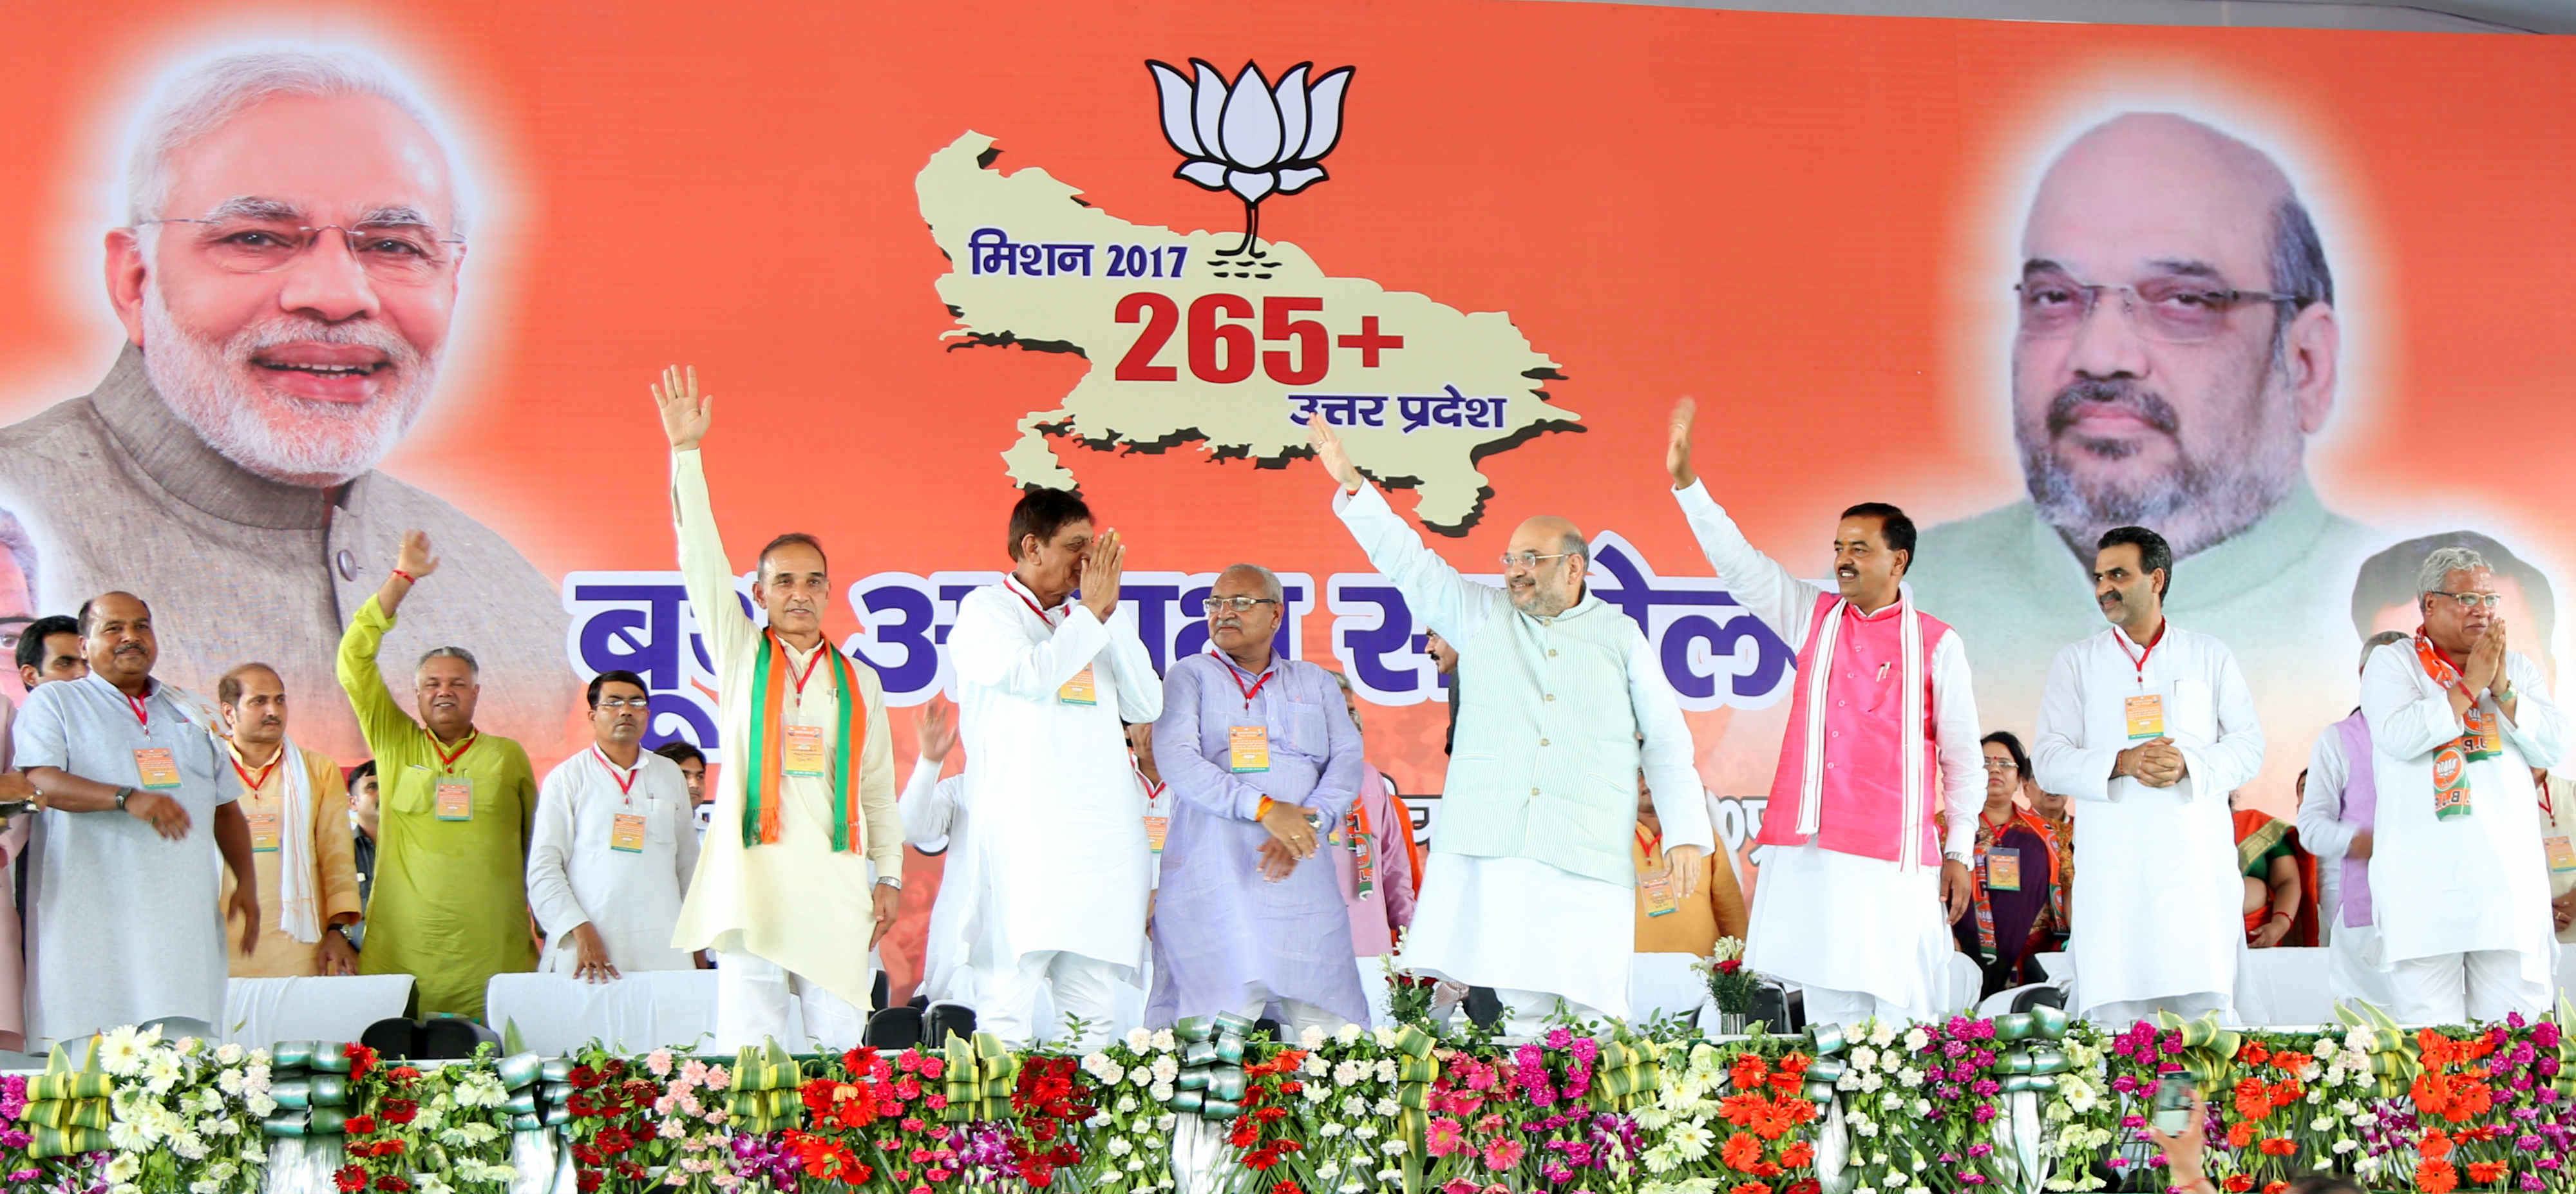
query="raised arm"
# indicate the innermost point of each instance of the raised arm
(704, 571)
(381, 718)
(1784, 603)
(1436, 593)
(924, 805)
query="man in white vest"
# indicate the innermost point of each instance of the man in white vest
(2337, 810)
(1863, 881)
(2150, 725)
(2459, 878)
(1530, 887)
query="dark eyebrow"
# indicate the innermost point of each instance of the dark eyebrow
(2040, 265)
(2188, 268)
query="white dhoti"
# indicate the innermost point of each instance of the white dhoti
(1516, 924)
(1860, 936)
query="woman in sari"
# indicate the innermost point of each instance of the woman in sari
(2280, 879)
(2016, 866)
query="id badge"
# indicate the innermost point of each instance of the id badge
(2562, 855)
(1248, 748)
(2003, 869)
(156, 767)
(1155, 829)
(1079, 690)
(626, 833)
(2450, 783)
(2146, 717)
(455, 794)
(806, 755)
(1657, 887)
(263, 832)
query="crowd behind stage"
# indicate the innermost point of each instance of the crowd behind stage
(1215, 835)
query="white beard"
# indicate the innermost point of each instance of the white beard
(278, 436)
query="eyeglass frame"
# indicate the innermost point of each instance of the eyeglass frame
(2469, 600)
(609, 702)
(347, 234)
(2092, 292)
(2002, 765)
(1241, 605)
(1531, 560)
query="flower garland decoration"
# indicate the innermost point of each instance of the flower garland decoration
(691, 1121)
(1130, 1128)
(609, 1127)
(1263, 1132)
(186, 1114)
(1052, 1100)
(1730, 986)
(440, 1131)
(1760, 1151)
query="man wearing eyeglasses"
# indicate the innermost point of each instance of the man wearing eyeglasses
(1266, 763)
(2176, 344)
(1529, 886)
(287, 276)
(1854, 903)
(2459, 872)
(614, 849)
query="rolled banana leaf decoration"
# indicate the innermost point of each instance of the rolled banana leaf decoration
(67, 1110)
(1416, 1068)
(2395, 1057)
(764, 1094)
(2208, 1048)
(2036, 1056)
(1625, 1073)
(1826, 1042)
(979, 1075)
(290, 1082)
(1211, 1082)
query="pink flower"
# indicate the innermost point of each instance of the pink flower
(718, 1077)
(659, 1062)
(1502, 1154)
(1444, 1136)
(931, 1067)
(1459, 1186)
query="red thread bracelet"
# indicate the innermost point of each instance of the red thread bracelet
(408, 578)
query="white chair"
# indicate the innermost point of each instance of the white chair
(645, 1010)
(259, 1012)
(1664, 984)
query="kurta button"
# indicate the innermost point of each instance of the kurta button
(1542, 741)
(348, 565)
(1551, 696)
(1533, 791)
(1551, 652)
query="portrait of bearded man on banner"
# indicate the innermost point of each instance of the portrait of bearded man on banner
(2176, 345)
(286, 273)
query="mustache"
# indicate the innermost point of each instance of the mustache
(2147, 405)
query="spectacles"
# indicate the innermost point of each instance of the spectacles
(2173, 310)
(625, 702)
(401, 254)
(1240, 605)
(12, 629)
(2001, 765)
(2469, 601)
(1530, 559)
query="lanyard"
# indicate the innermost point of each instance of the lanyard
(1030, 602)
(2139, 660)
(1239, 673)
(142, 715)
(626, 780)
(1153, 791)
(447, 759)
(250, 784)
(801, 677)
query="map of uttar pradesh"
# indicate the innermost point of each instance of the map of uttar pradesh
(1420, 391)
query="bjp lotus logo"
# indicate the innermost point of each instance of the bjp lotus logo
(1249, 137)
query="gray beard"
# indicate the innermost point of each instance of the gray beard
(2195, 504)
(283, 438)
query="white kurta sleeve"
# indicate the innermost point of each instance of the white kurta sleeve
(704, 571)
(1445, 601)
(1963, 760)
(2539, 728)
(990, 648)
(1669, 759)
(2061, 758)
(2236, 758)
(1785, 603)
(2408, 720)
(685, 836)
(550, 850)
(1140, 691)
(2321, 827)
(926, 813)
(876, 781)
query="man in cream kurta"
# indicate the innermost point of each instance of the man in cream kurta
(2150, 725)
(1058, 855)
(299, 835)
(614, 846)
(772, 895)
(2459, 878)
(1529, 886)
(1855, 904)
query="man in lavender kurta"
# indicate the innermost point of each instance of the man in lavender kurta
(1264, 760)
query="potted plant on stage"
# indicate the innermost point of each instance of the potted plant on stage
(1730, 988)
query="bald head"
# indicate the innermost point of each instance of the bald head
(116, 634)
(2149, 188)
(1544, 566)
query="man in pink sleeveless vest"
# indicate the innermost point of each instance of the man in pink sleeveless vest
(1854, 902)
(2335, 823)
(2152, 726)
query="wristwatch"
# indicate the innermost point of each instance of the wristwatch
(890, 881)
(1955, 856)
(121, 795)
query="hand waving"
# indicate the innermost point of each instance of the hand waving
(1677, 449)
(1328, 452)
(685, 412)
(412, 556)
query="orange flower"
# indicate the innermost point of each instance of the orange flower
(1749, 1071)
(2254, 1053)
(2486, 1173)
(2280, 1146)
(2253, 1099)
(2275, 1187)
(1772, 1122)
(2239, 1184)
(1798, 1154)
(1741, 1108)
(2239, 1135)
(2436, 1177)
(1750, 1188)
(2436, 1145)
(1786, 1083)
(2286, 1093)
(1741, 1152)
(2293, 1064)
(1794, 1063)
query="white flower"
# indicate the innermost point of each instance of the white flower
(1691, 1141)
(120, 1052)
(1093, 1063)
(1923, 1108)
(1139, 1039)
(1251, 138)
(1126, 1104)
(1313, 1092)
(124, 1167)
(1163, 1042)
(1881, 1033)
(1118, 1146)
(188, 1046)
(1315, 1066)
(1392, 1148)
(1916, 1040)
(1312, 1038)
(1350, 1072)
(1165, 1070)
(1331, 1129)
(1909, 1076)
(1892, 1180)
(230, 1054)
(1365, 1131)
(1348, 1034)
(1385, 1037)
(2345, 1146)
(1354, 1106)
(1161, 1092)
(1869, 1129)
(1387, 1108)
(229, 1082)
(1864, 1058)
(1386, 1069)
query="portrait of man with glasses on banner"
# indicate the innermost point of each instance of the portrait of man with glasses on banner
(2175, 345)
(286, 272)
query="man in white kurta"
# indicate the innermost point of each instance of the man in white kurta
(1531, 886)
(785, 885)
(2458, 877)
(2151, 726)
(1857, 895)
(2337, 810)
(1058, 854)
(613, 847)
(935, 823)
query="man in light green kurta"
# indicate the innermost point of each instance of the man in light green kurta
(450, 902)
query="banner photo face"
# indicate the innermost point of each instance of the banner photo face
(2294, 299)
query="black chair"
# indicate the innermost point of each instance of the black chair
(1484, 1007)
(2039, 996)
(1783, 1010)
(438, 1038)
(944, 1020)
(895, 1028)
